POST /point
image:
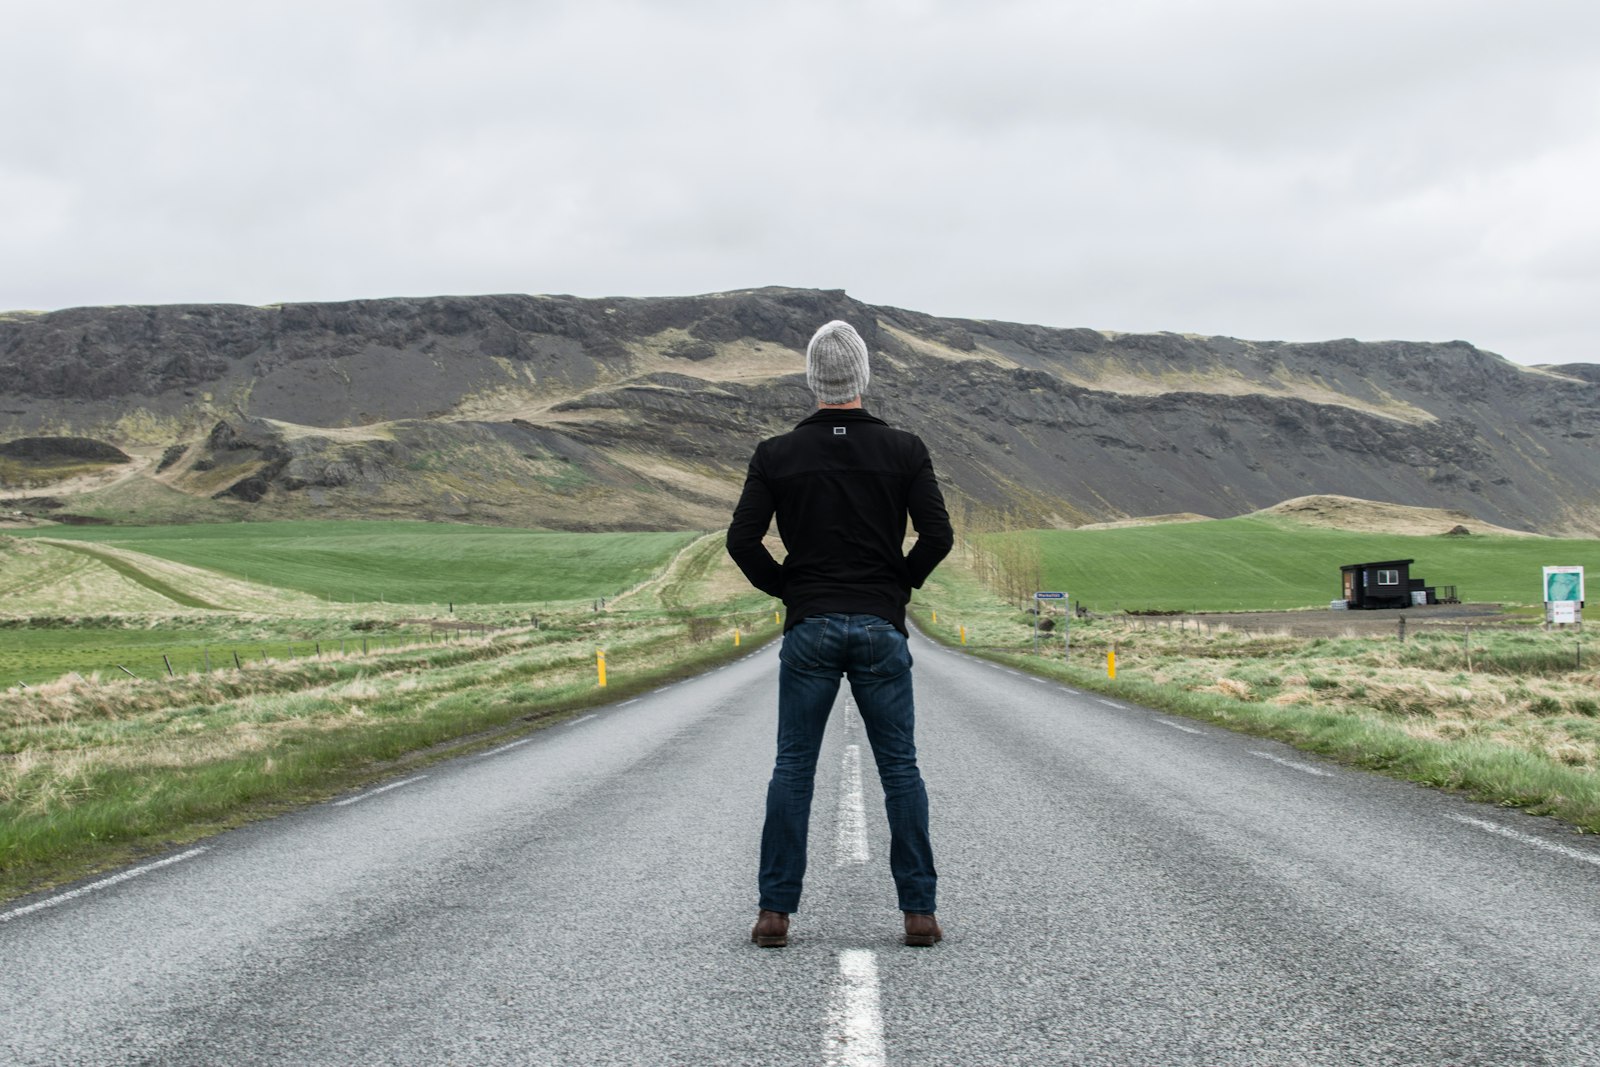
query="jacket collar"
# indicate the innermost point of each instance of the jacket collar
(835, 416)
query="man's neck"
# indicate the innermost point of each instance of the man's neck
(846, 406)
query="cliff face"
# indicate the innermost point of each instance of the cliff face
(640, 413)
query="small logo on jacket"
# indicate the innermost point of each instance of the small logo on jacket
(838, 431)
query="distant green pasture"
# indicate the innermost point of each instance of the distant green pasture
(404, 562)
(1263, 564)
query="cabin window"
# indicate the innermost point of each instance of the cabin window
(1388, 577)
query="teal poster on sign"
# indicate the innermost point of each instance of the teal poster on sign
(1563, 584)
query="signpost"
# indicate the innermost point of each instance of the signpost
(1038, 599)
(1563, 596)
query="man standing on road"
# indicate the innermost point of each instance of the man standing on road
(842, 483)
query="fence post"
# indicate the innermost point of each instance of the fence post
(168, 662)
(1402, 629)
(237, 665)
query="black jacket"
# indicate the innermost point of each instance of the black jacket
(841, 483)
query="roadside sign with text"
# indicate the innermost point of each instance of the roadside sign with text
(1563, 596)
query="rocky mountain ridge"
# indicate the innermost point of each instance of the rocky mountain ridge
(640, 413)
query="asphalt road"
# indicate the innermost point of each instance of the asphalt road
(1118, 887)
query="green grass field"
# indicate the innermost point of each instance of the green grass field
(1270, 564)
(1513, 719)
(97, 767)
(93, 770)
(403, 562)
(146, 647)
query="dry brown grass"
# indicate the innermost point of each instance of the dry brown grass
(1423, 686)
(60, 743)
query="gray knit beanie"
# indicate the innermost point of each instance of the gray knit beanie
(836, 363)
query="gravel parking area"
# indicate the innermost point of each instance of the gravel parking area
(1325, 623)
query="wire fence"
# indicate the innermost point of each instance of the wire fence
(178, 660)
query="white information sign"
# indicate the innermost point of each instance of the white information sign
(1563, 596)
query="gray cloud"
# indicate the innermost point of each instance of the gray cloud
(1269, 170)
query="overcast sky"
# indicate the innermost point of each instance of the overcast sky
(1268, 169)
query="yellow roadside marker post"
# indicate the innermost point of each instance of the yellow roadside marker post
(735, 637)
(775, 620)
(600, 665)
(1111, 663)
(963, 635)
(936, 618)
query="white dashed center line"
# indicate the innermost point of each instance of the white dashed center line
(855, 1031)
(1109, 703)
(575, 722)
(1178, 726)
(850, 843)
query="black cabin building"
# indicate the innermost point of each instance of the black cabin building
(1384, 584)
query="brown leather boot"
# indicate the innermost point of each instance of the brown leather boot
(922, 931)
(771, 929)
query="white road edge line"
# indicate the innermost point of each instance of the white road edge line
(1178, 726)
(855, 1031)
(585, 718)
(625, 703)
(850, 835)
(1109, 703)
(381, 789)
(29, 909)
(1515, 835)
(1305, 768)
(502, 748)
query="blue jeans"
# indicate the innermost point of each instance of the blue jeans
(816, 652)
